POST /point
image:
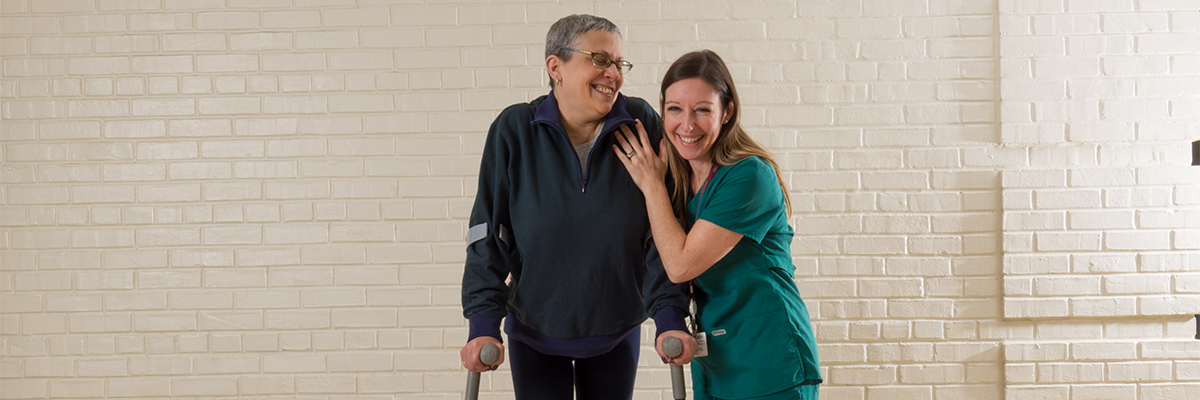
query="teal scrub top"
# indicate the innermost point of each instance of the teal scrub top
(760, 340)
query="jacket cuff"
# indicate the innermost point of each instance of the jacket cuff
(669, 318)
(485, 324)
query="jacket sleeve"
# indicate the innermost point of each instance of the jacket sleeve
(666, 302)
(490, 246)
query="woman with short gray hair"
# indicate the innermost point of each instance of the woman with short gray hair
(556, 211)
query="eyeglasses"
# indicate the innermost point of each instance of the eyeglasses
(600, 60)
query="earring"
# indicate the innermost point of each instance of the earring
(559, 82)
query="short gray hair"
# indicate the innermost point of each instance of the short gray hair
(564, 32)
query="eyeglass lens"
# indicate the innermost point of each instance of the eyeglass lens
(602, 61)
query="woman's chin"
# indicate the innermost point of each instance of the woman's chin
(604, 110)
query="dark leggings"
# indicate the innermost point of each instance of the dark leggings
(608, 376)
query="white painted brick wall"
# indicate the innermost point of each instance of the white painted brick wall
(266, 198)
(1113, 205)
(1088, 246)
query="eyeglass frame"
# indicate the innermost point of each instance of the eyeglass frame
(623, 66)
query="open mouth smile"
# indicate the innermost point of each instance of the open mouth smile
(603, 89)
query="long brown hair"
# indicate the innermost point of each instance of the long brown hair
(733, 143)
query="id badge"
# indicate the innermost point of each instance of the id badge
(701, 345)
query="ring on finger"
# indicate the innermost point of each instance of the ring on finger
(629, 154)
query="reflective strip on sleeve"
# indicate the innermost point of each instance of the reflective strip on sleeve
(477, 233)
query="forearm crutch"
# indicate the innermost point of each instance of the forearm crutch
(487, 355)
(672, 347)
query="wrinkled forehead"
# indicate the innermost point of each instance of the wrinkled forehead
(599, 41)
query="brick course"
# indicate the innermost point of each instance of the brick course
(218, 199)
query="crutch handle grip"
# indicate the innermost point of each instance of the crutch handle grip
(489, 354)
(672, 347)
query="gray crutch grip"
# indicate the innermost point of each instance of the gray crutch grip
(489, 354)
(672, 347)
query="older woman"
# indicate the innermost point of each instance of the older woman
(734, 245)
(555, 210)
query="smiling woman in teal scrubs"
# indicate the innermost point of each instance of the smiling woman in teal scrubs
(734, 244)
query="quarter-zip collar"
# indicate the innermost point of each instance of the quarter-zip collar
(547, 113)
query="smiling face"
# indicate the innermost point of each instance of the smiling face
(587, 92)
(692, 118)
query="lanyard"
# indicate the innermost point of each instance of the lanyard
(711, 174)
(693, 310)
